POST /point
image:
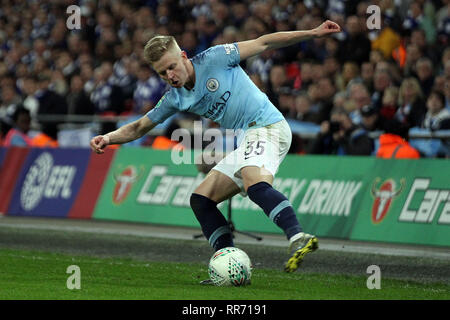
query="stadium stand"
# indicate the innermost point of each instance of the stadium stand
(98, 71)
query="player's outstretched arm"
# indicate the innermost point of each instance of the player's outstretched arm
(283, 39)
(124, 134)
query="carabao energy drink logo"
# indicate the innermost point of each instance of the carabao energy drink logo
(124, 182)
(383, 197)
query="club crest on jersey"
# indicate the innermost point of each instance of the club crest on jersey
(383, 197)
(212, 84)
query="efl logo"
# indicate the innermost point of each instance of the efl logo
(45, 180)
(124, 182)
(383, 198)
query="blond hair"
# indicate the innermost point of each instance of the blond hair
(416, 85)
(157, 46)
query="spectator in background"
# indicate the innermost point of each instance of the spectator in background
(47, 138)
(417, 19)
(306, 74)
(382, 80)
(36, 46)
(340, 136)
(327, 91)
(370, 120)
(50, 102)
(437, 116)
(385, 40)
(65, 64)
(331, 68)
(124, 76)
(389, 103)
(424, 69)
(29, 87)
(340, 99)
(356, 46)
(393, 142)
(418, 38)
(188, 42)
(18, 134)
(411, 105)
(413, 54)
(149, 89)
(9, 100)
(285, 100)
(88, 78)
(367, 74)
(350, 71)
(359, 97)
(302, 110)
(261, 65)
(78, 101)
(277, 80)
(106, 97)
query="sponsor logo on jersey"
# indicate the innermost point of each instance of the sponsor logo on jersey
(217, 108)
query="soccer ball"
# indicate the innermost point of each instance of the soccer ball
(230, 266)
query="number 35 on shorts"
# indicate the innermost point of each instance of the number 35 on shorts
(254, 148)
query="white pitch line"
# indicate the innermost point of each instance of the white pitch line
(324, 245)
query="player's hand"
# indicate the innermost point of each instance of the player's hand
(99, 143)
(328, 27)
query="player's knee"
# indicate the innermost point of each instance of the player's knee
(199, 203)
(252, 175)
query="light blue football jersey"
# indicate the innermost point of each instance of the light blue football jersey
(223, 92)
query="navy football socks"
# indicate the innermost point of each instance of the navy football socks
(214, 225)
(276, 206)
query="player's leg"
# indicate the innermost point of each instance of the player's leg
(258, 185)
(216, 188)
(257, 170)
(277, 207)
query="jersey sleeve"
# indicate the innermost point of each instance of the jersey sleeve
(226, 55)
(163, 109)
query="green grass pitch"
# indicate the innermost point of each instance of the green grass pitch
(31, 275)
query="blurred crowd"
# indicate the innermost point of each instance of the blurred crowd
(388, 79)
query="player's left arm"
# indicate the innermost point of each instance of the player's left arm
(283, 39)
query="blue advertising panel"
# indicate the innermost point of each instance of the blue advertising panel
(49, 182)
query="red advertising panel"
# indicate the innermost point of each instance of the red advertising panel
(95, 176)
(10, 168)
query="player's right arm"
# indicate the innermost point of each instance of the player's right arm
(124, 134)
(277, 40)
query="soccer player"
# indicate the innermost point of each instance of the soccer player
(213, 85)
